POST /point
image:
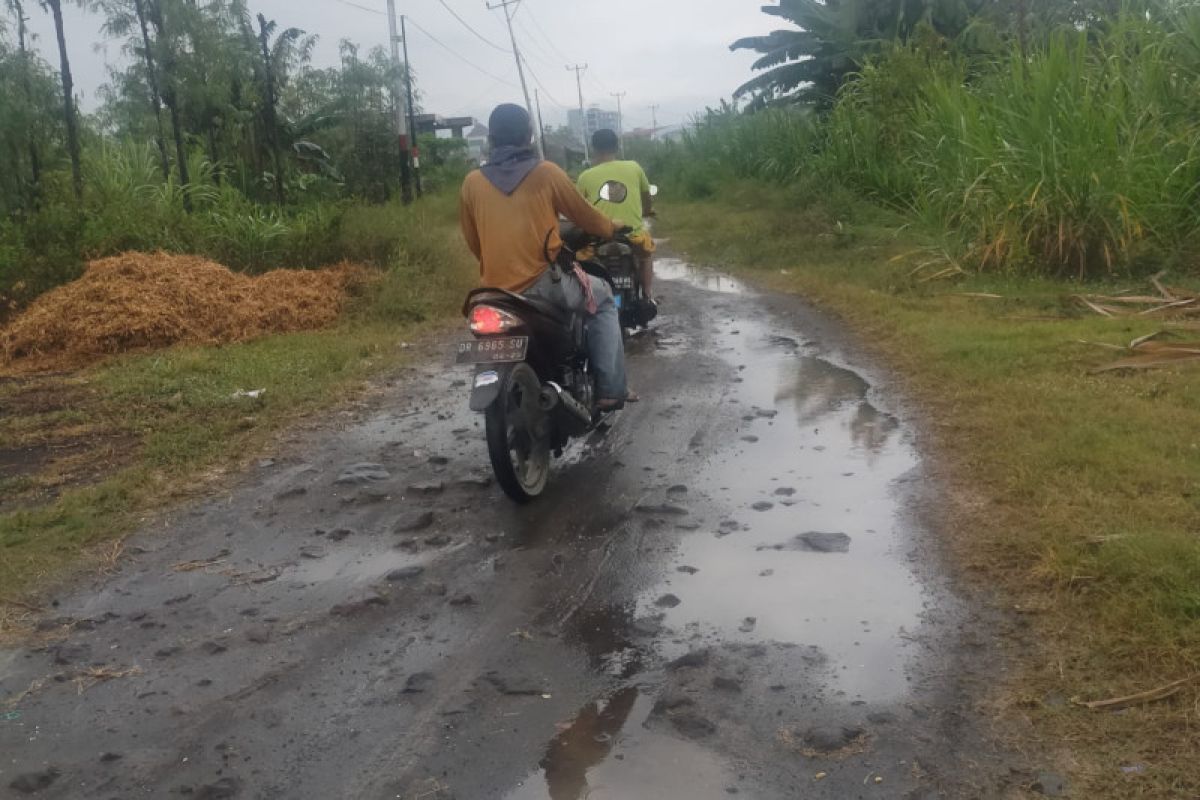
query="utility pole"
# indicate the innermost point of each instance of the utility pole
(579, 69)
(406, 192)
(654, 122)
(508, 17)
(537, 101)
(620, 122)
(412, 111)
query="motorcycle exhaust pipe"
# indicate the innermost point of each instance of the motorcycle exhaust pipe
(565, 408)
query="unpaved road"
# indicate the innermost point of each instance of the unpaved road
(731, 593)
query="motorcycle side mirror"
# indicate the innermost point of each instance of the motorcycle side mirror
(653, 190)
(614, 192)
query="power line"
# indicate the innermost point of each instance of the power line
(598, 84)
(362, 8)
(504, 6)
(549, 40)
(494, 78)
(434, 39)
(495, 82)
(467, 25)
(579, 69)
(538, 51)
(455, 53)
(538, 81)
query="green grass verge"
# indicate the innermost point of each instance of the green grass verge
(1075, 496)
(175, 412)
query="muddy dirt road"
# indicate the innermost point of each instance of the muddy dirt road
(731, 593)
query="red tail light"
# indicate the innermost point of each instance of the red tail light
(488, 321)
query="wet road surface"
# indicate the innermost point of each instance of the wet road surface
(730, 592)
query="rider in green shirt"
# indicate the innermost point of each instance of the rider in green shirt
(632, 207)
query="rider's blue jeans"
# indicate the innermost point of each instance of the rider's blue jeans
(606, 350)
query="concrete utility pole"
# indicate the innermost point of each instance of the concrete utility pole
(654, 122)
(579, 69)
(508, 17)
(412, 111)
(620, 122)
(537, 101)
(406, 192)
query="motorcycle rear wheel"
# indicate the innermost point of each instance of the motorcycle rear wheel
(518, 437)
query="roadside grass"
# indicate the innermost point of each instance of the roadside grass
(174, 412)
(1074, 498)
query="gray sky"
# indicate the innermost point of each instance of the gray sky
(670, 52)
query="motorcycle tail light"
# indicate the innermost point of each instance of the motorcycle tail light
(488, 321)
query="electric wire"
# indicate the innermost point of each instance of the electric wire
(456, 54)
(550, 41)
(363, 8)
(542, 86)
(590, 76)
(536, 50)
(467, 25)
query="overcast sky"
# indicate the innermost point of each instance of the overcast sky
(673, 53)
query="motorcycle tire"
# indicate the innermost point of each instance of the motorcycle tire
(518, 436)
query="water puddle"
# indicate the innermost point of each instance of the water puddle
(788, 590)
(673, 269)
(607, 751)
(808, 550)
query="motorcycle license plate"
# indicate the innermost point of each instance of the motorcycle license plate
(494, 350)
(622, 281)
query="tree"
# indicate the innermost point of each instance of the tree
(160, 138)
(167, 38)
(69, 113)
(26, 68)
(131, 18)
(289, 48)
(350, 112)
(832, 40)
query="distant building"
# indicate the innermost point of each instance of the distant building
(670, 133)
(477, 142)
(433, 123)
(592, 120)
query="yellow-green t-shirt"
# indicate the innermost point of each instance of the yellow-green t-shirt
(627, 173)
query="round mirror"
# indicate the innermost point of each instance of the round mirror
(614, 192)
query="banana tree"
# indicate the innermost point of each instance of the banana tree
(831, 39)
(289, 49)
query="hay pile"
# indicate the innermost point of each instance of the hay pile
(141, 301)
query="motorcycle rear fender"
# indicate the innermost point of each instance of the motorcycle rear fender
(485, 388)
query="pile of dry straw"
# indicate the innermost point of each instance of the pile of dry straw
(139, 301)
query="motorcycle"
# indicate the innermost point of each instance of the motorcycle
(533, 382)
(621, 262)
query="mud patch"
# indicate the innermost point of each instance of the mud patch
(55, 438)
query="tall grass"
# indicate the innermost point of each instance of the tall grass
(128, 206)
(1081, 158)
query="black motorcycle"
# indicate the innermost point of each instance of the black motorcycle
(533, 382)
(621, 263)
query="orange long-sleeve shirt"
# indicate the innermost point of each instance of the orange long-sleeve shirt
(508, 233)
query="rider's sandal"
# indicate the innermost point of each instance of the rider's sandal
(617, 405)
